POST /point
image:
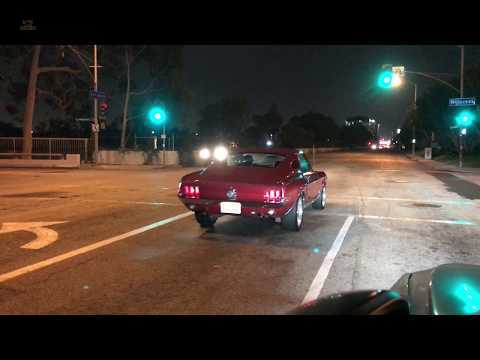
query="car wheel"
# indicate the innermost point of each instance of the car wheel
(205, 220)
(321, 201)
(293, 220)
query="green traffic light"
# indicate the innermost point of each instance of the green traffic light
(465, 118)
(385, 79)
(157, 115)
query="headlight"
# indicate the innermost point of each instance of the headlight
(220, 153)
(204, 154)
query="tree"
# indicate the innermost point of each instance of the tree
(355, 135)
(223, 120)
(433, 115)
(263, 127)
(35, 71)
(310, 129)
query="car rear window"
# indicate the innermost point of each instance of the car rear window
(255, 159)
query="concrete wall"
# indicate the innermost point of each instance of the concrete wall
(115, 157)
(72, 161)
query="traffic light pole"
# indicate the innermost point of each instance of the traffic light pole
(413, 119)
(163, 143)
(95, 104)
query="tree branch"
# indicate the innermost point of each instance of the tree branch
(137, 54)
(51, 94)
(46, 69)
(144, 90)
(76, 52)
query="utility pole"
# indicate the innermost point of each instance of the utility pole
(95, 104)
(413, 119)
(460, 138)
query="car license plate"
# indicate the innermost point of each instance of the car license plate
(227, 207)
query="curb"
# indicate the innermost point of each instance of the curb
(438, 166)
(128, 167)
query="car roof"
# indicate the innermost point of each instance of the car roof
(276, 151)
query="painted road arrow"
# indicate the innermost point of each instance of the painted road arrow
(44, 235)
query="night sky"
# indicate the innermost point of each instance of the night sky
(335, 80)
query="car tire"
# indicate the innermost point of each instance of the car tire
(321, 201)
(205, 220)
(293, 220)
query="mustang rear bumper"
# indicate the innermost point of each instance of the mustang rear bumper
(251, 209)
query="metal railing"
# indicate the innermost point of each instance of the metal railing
(47, 146)
(49, 156)
(148, 142)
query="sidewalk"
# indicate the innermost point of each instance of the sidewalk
(128, 167)
(466, 173)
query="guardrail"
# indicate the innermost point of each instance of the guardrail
(32, 155)
(47, 146)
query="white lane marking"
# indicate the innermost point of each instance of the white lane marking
(319, 280)
(104, 201)
(451, 222)
(85, 249)
(44, 236)
(453, 202)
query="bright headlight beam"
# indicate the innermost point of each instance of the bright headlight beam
(220, 153)
(204, 154)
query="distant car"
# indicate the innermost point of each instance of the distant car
(264, 183)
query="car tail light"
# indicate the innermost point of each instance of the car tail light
(190, 191)
(274, 196)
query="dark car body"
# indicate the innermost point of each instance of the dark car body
(251, 186)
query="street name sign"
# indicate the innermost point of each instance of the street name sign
(462, 102)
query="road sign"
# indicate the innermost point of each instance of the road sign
(462, 102)
(97, 94)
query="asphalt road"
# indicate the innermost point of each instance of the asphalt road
(123, 244)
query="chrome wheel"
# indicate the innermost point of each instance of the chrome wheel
(299, 211)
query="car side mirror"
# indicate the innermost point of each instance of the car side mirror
(295, 165)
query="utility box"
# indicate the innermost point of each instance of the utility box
(428, 153)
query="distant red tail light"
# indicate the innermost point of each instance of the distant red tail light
(189, 191)
(274, 196)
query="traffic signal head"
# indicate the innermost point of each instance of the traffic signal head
(157, 115)
(465, 118)
(391, 77)
(385, 79)
(103, 109)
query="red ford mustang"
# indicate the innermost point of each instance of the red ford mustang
(265, 183)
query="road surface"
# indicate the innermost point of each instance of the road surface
(95, 241)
